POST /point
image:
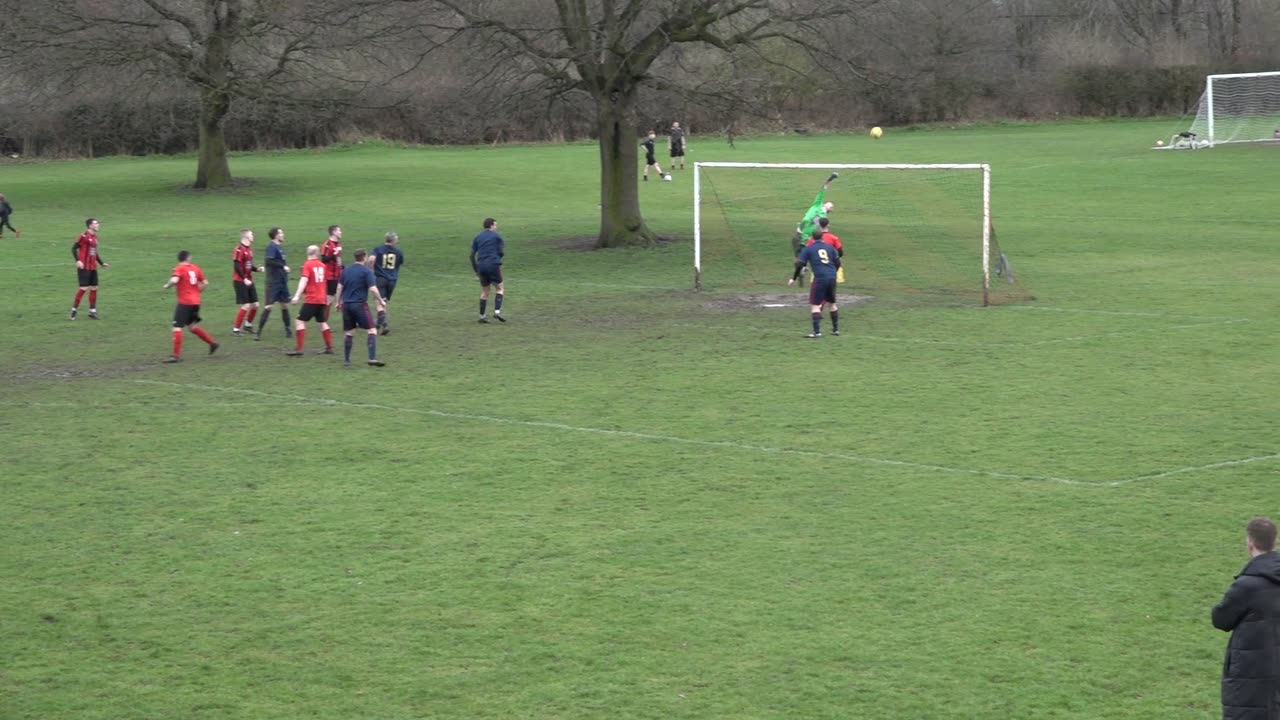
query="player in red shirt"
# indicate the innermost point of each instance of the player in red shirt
(190, 281)
(830, 238)
(314, 285)
(85, 251)
(242, 279)
(331, 256)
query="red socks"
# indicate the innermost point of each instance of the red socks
(200, 333)
(177, 342)
(299, 335)
(253, 313)
(93, 299)
(328, 339)
(79, 297)
(239, 319)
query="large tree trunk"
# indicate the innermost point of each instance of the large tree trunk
(212, 170)
(621, 223)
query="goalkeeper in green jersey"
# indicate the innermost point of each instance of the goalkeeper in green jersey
(809, 222)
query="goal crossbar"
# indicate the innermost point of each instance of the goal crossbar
(985, 218)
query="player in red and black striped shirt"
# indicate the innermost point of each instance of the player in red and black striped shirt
(331, 256)
(242, 280)
(85, 251)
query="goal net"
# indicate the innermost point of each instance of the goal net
(1242, 107)
(911, 233)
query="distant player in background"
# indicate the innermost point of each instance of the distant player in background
(677, 143)
(823, 261)
(85, 251)
(650, 161)
(819, 208)
(830, 238)
(314, 286)
(331, 256)
(5, 211)
(190, 281)
(277, 282)
(387, 261)
(354, 286)
(487, 250)
(242, 280)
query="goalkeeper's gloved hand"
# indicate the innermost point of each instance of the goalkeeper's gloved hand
(834, 175)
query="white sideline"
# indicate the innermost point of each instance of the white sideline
(304, 400)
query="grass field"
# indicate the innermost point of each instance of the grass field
(628, 502)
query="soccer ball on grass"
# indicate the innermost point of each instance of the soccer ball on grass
(876, 133)
(666, 178)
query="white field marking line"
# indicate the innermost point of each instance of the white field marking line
(798, 333)
(965, 343)
(157, 405)
(628, 434)
(524, 280)
(1194, 468)
(1125, 313)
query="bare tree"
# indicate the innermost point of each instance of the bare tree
(219, 49)
(607, 49)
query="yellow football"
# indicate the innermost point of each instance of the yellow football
(876, 133)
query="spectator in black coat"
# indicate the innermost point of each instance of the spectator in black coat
(1250, 611)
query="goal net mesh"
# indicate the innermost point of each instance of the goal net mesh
(1243, 108)
(910, 236)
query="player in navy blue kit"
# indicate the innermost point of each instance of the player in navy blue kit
(824, 263)
(277, 283)
(387, 260)
(486, 261)
(354, 286)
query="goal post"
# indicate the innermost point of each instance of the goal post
(907, 228)
(1236, 108)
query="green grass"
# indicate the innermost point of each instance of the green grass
(624, 503)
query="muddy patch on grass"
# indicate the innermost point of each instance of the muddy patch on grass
(774, 302)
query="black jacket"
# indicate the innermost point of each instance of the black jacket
(1251, 612)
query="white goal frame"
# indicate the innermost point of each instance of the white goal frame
(1206, 101)
(985, 218)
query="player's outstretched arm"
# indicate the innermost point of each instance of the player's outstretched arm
(172, 281)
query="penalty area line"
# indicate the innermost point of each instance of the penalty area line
(1195, 468)
(629, 434)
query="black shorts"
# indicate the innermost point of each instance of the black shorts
(88, 278)
(186, 315)
(277, 294)
(822, 290)
(314, 311)
(650, 159)
(356, 315)
(677, 149)
(331, 287)
(245, 294)
(489, 275)
(386, 287)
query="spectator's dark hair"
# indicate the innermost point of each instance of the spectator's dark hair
(273, 232)
(90, 221)
(333, 227)
(818, 233)
(824, 222)
(184, 255)
(1262, 531)
(360, 255)
(489, 223)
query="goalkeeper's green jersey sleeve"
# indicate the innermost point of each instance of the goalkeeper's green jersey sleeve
(810, 220)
